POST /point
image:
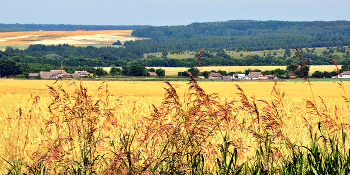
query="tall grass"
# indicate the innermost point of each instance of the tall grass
(197, 134)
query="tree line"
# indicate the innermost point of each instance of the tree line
(107, 56)
(11, 68)
(244, 34)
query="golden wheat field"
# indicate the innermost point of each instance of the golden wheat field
(38, 124)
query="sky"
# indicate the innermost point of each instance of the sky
(168, 12)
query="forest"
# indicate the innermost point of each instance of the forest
(244, 35)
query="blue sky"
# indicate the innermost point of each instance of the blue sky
(168, 12)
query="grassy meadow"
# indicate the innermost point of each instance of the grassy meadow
(280, 52)
(53, 127)
(261, 53)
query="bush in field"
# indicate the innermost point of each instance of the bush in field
(134, 70)
(151, 70)
(100, 71)
(117, 43)
(160, 72)
(115, 71)
(193, 71)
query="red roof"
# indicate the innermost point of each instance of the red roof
(289, 74)
(53, 73)
(152, 74)
(82, 72)
(255, 74)
(214, 74)
(346, 73)
(33, 74)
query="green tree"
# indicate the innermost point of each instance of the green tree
(278, 72)
(151, 70)
(114, 71)
(300, 71)
(194, 71)
(9, 68)
(292, 67)
(183, 74)
(117, 43)
(205, 74)
(164, 53)
(345, 67)
(317, 74)
(160, 72)
(100, 71)
(134, 70)
(222, 72)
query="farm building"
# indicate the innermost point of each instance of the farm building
(291, 75)
(254, 75)
(227, 78)
(345, 74)
(152, 74)
(214, 75)
(239, 76)
(33, 75)
(53, 74)
(78, 74)
(267, 77)
(59, 73)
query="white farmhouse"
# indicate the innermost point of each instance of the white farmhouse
(345, 74)
(239, 76)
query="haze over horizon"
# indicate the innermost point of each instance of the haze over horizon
(169, 12)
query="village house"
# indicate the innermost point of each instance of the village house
(214, 75)
(59, 73)
(345, 74)
(291, 75)
(227, 78)
(53, 74)
(239, 76)
(267, 77)
(33, 75)
(254, 75)
(152, 74)
(79, 74)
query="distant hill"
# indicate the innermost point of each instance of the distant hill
(229, 43)
(244, 35)
(246, 28)
(64, 27)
